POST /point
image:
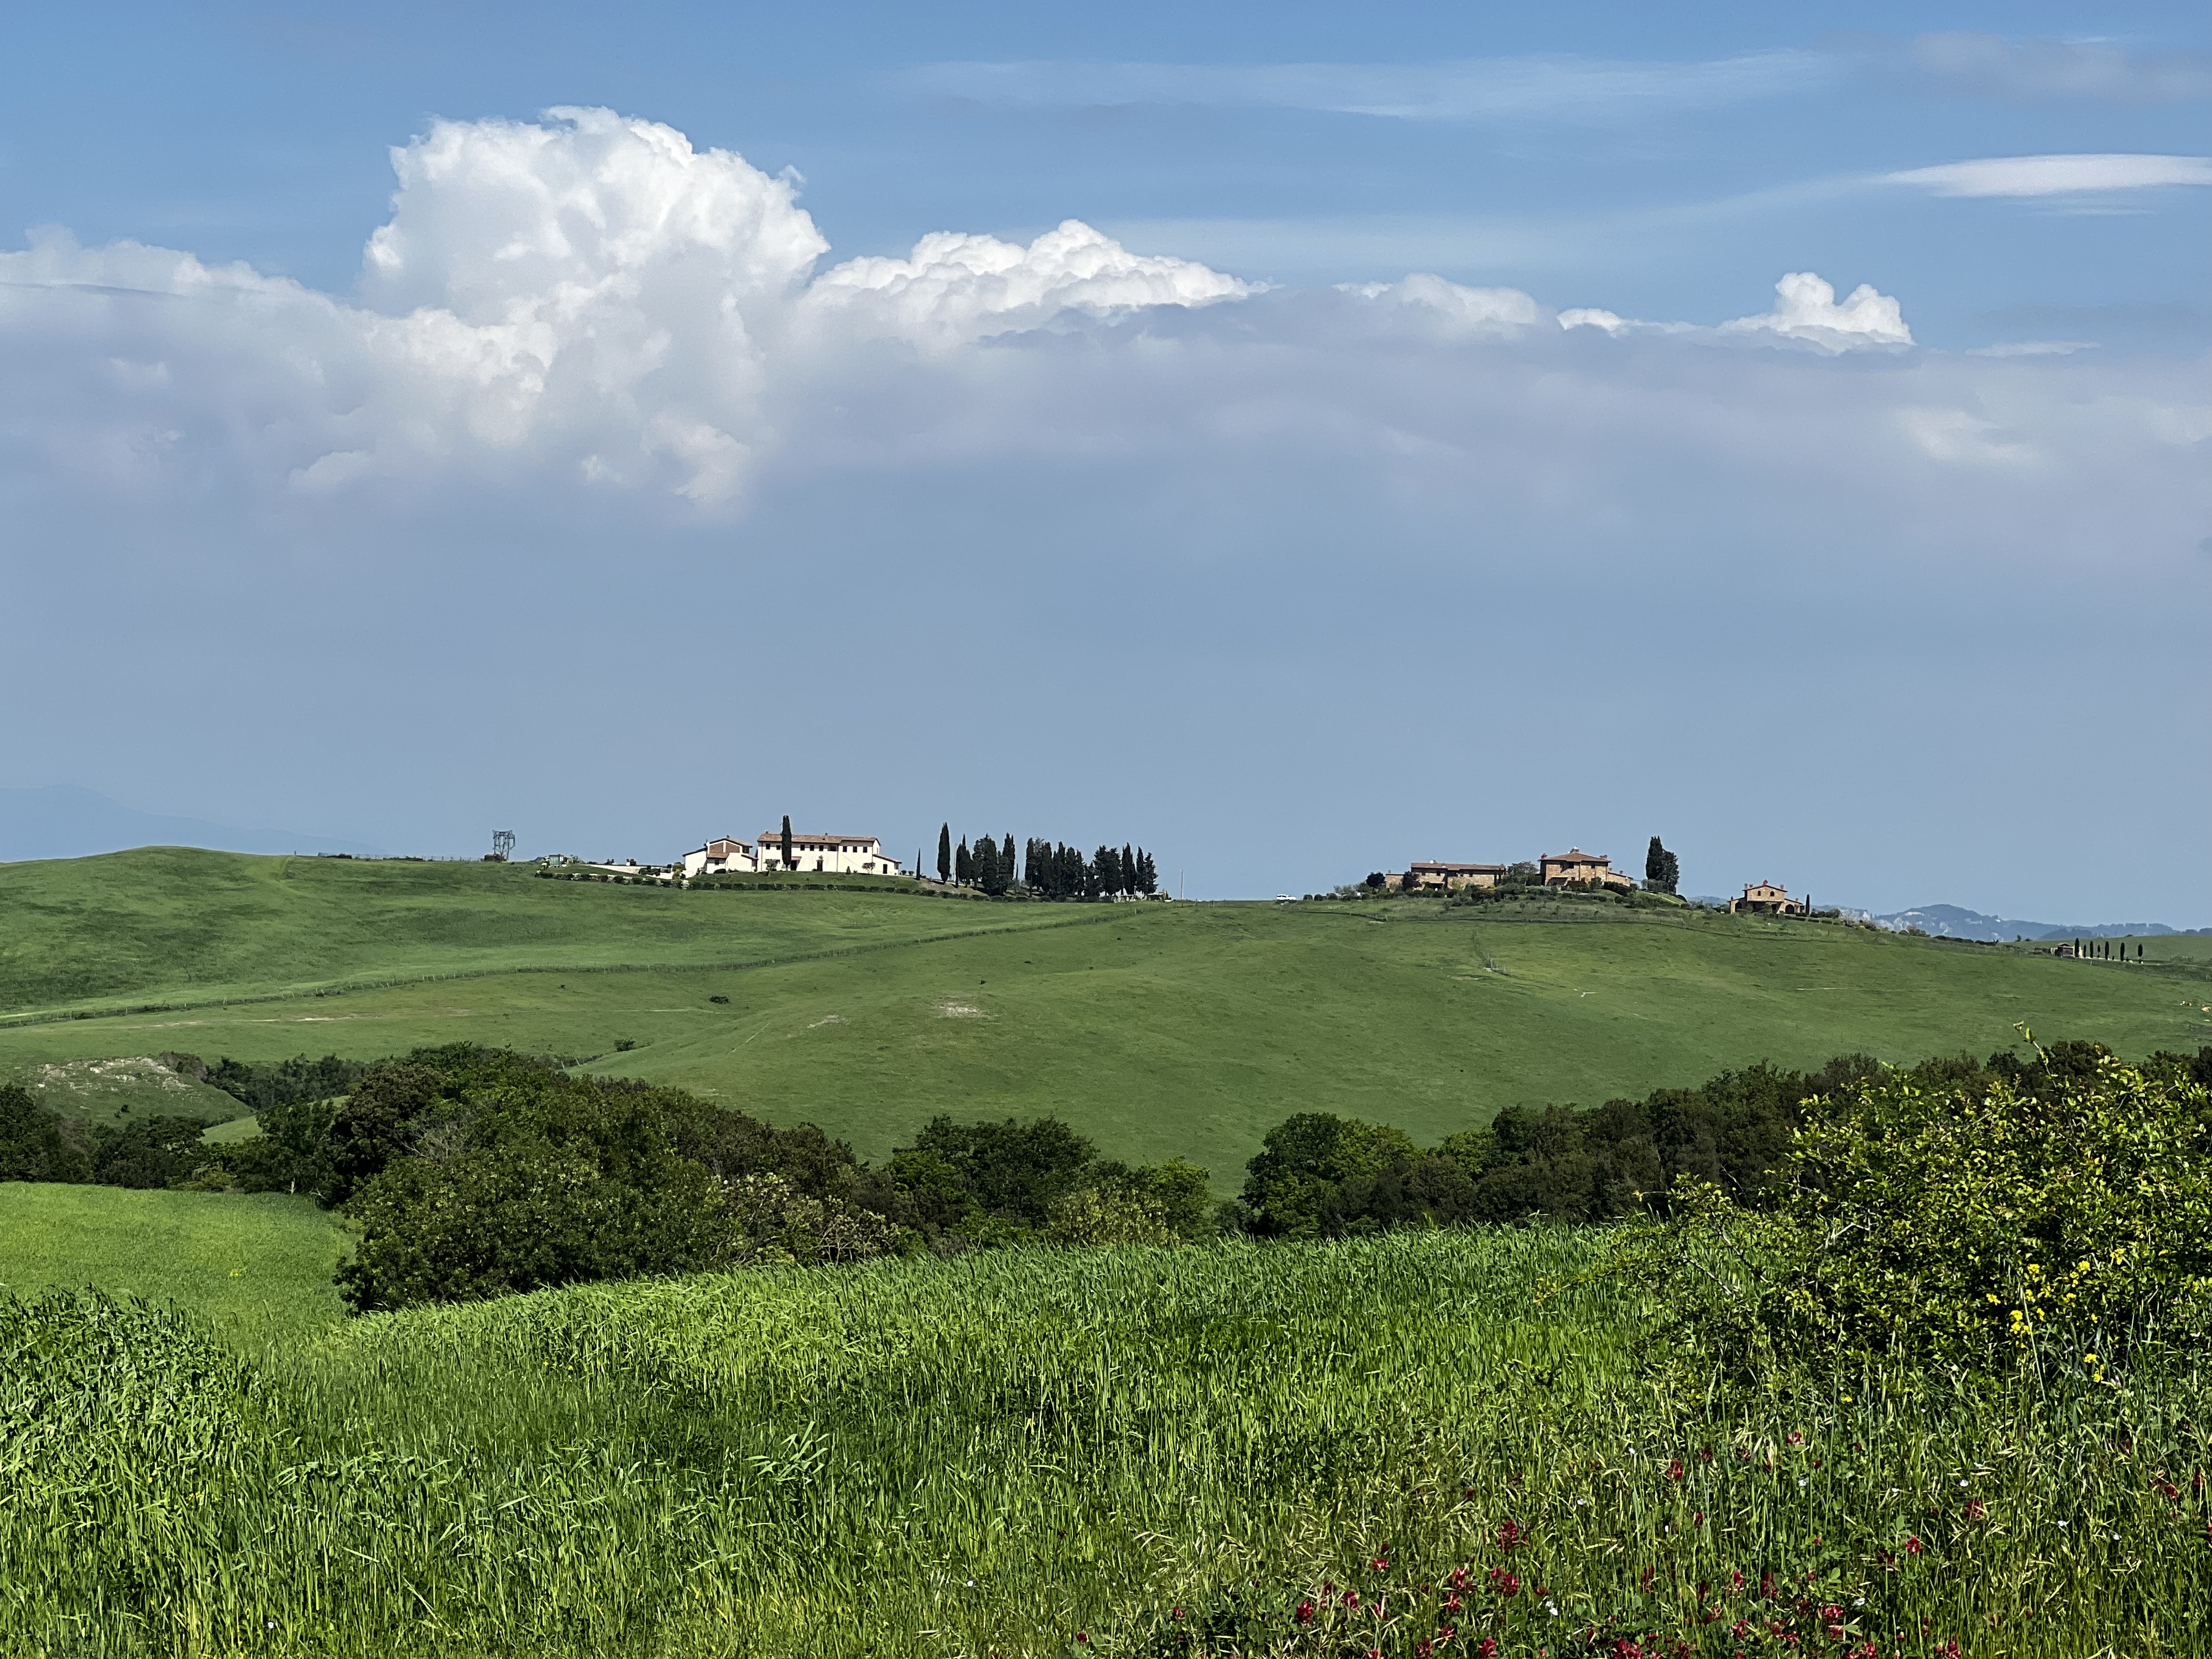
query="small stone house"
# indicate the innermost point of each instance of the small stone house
(1765, 898)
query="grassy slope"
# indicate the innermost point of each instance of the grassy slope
(111, 1089)
(991, 1455)
(258, 1269)
(1160, 1029)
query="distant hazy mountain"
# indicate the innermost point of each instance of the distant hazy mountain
(1949, 921)
(66, 823)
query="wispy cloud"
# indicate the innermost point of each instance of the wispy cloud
(2055, 175)
(1469, 89)
(1992, 63)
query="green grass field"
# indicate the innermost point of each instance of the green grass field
(256, 1270)
(1054, 1453)
(1159, 1029)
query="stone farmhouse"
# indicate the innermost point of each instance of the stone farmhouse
(849, 855)
(1451, 875)
(1556, 869)
(1765, 898)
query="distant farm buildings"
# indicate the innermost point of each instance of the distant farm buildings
(1449, 876)
(844, 855)
(1571, 867)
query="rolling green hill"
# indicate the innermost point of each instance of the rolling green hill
(1160, 1029)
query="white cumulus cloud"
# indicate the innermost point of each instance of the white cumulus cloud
(1805, 308)
(953, 289)
(588, 291)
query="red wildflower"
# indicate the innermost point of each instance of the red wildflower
(1948, 1651)
(1083, 1638)
(1505, 1583)
(1305, 1613)
(1832, 1613)
(1735, 1578)
(1766, 1585)
(1975, 1511)
(1350, 1598)
(1912, 1545)
(1445, 1632)
(1511, 1534)
(1795, 1438)
(1423, 1650)
(1380, 1564)
(1486, 1648)
(1705, 1456)
(1452, 1602)
(1674, 1469)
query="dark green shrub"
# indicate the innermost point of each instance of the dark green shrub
(34, 1144)
(523, 1214)
(147, 1152)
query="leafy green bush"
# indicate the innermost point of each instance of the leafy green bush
(2061, 1214)
(525, 1212)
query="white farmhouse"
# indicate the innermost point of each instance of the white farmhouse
(849, 855)
(721, 856)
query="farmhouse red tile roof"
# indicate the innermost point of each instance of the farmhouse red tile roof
(1575, 855)
(1495, 869)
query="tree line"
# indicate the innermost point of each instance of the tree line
(1047, 869)
(467, 1172)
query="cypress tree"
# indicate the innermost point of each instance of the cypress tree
(964, 863)
(987, 867)
(786, 838)
(944, 852)
(1008, 870)
(1148, 874)
(1129, 869)
(1101, 877)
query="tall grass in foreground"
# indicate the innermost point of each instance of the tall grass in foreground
(1327, 1449)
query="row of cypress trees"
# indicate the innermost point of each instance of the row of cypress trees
(1048, 869)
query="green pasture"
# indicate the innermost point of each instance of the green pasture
(255, 1270)
(1160, 1029)
(176, 925)
(1026, 1454)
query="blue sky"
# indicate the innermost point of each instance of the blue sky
(1413, 457)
